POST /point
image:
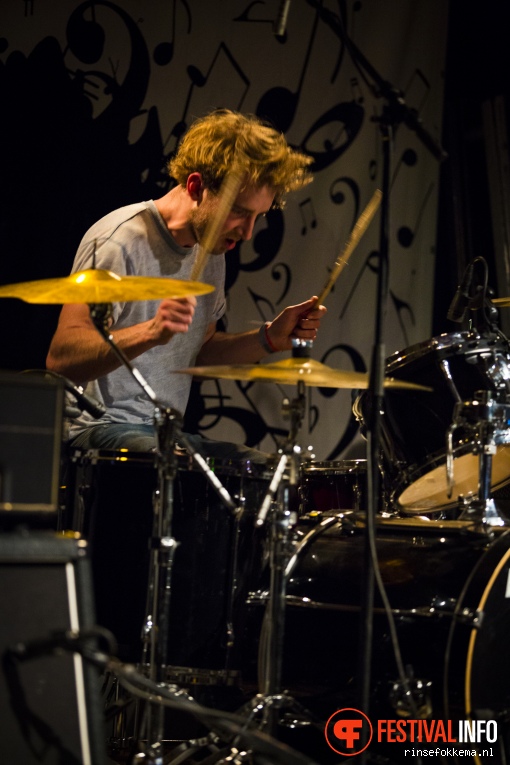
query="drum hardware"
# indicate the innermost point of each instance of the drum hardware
(167, 423)
(273, 705)
(487, 418)
(420, 692)
(270, 702)
(193, 676)
(414, 429)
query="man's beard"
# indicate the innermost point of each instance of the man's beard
(200, 219)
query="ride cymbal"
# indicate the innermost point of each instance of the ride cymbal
(291, 371)
(96, 285)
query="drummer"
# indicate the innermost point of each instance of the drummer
(161, 238)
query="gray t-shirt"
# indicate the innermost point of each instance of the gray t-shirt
(134, 240)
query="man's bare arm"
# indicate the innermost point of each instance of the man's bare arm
(297, 321)
(79, 352)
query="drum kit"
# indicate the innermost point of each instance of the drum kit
(286, 541)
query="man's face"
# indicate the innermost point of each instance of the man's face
(250, 205)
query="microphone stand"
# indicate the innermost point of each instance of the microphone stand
(162, 543)
(395, 111)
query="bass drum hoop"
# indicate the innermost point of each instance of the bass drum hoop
(472, 604)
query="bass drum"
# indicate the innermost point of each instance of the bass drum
(448, 590)
(111, 499)
(415, 423)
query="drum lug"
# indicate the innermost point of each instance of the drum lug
(447, 607)
(472, 618)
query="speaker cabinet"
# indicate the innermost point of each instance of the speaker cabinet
(31, 417)
(50, 709)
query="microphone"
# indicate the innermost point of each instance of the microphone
(280, 23)
(85, 402)
(460, 302)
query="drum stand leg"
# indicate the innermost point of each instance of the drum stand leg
(484, 417)
(162, 551)
(268, 704)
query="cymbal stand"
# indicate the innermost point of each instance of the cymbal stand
(269, 702)
(162, 545)
(487, 418)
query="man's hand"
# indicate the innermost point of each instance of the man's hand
(296, 321)
(172, 317)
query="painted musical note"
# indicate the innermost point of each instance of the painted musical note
(372, 263)
(337, 26)
(86, 38)
(276, 273)
(261, 301)
(198, 80)
(400, 307)
(405, 235)
(352, 427)
(409, 158)
(334, 131)
(164, 52)
(308, 216)
(337, 196)
(313, 417)
(268, 240)
(279, 104)
(245, 15)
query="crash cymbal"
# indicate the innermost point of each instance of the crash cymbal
(291, 371)
(97, 285)
(502, 302)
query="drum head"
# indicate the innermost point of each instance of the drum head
(415, 425)
(427, 489)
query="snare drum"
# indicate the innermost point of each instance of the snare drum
(113, 509)
(414, 424)
(333, 486)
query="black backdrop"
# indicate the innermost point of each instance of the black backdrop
(477, 69)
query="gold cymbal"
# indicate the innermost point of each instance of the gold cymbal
(502, 302)
(96, 285)
(291, 371)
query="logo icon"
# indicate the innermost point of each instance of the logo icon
(348, 732)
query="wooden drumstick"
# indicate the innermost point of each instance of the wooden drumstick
(226, 197)
(357, 232)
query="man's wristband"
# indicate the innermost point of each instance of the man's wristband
(265, 340)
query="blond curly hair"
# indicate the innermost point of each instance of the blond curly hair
(214, 144)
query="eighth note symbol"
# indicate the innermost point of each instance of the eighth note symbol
(307, 215)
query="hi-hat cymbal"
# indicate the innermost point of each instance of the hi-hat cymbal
(291, 371)
(97, 285)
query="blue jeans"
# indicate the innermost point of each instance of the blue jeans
(141, 438)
